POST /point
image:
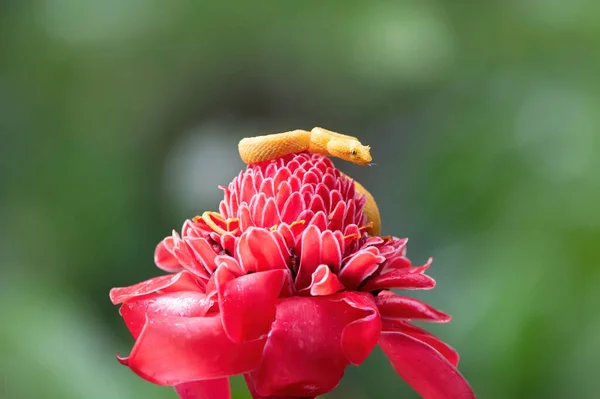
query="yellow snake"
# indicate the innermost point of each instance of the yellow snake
(317, 141)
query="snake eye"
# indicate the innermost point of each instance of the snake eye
(353, 152)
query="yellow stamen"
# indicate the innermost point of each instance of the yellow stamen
(367, 226)
(231, 220)
(208, 219)
(297, 222)
(273, 228)
(352, 236)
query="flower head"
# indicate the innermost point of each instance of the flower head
(284, 286)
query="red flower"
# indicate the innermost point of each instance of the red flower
(284, 286)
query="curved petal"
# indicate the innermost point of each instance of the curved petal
(257, 250)
(247, 303)
(424, 368)
(183, 280)
(256, 395)
(186, 257)
(331, 254)
(208, 389)
(402, 307)
(292, 208)
(230, 263)
(324, 282)
(310, 343)
(182, 303)
(164, 257)
(360, 337)
(310, 256)
(204, 253)
(405, 279)
(359, 267)
(423, 335)
(172, 350)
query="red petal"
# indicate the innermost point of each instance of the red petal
(247, 303)
(331, 254)
(186, 256)
(283, 193)
(336, 218)
(424, 368)
(330, 181)
(257, 250)
(402, 307)
(311, 341)
(403, 279)
(266, 187)
(228, 243)
(257, 206)
(324, 282)
(208, 389)
(317, 204)
(310, 178)
(173, 350)
(292, 208)
(349, 216)
(270, 214)
(310, 257)
(323, 192)
(245, 219)
(422, 335)
(394, 263)
(360, 266)
(164, 258)
(360, 337)
(256, 395)
(184, 280)
(204, 253)
(287, 234)
(282, 175)
(230, 263)
(247, 190)
(319, 220)
(182, 303)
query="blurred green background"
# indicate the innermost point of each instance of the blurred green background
(118, 119)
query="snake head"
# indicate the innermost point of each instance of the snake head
(350, 150)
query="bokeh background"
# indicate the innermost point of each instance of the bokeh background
(118, 119)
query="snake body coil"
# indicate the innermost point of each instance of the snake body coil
(317, 141)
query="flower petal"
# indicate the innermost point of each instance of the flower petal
(164, 257)
(292, 208)
(270, 214)
(172, 350)
(247, 303)
(184, 281)
(309, 344)
(359, 267)
(402, 279)
(181, 303)
(204, 253)
(424, 368)
(402, 307)
(230, 263)
(256, 395)
(422, 335)
(245, 219)
(207, 389)
(257, 250)
(331, 254)
(360, 337)
(324, 282)
(310, 256)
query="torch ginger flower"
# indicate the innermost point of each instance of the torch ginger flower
(284, 286)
